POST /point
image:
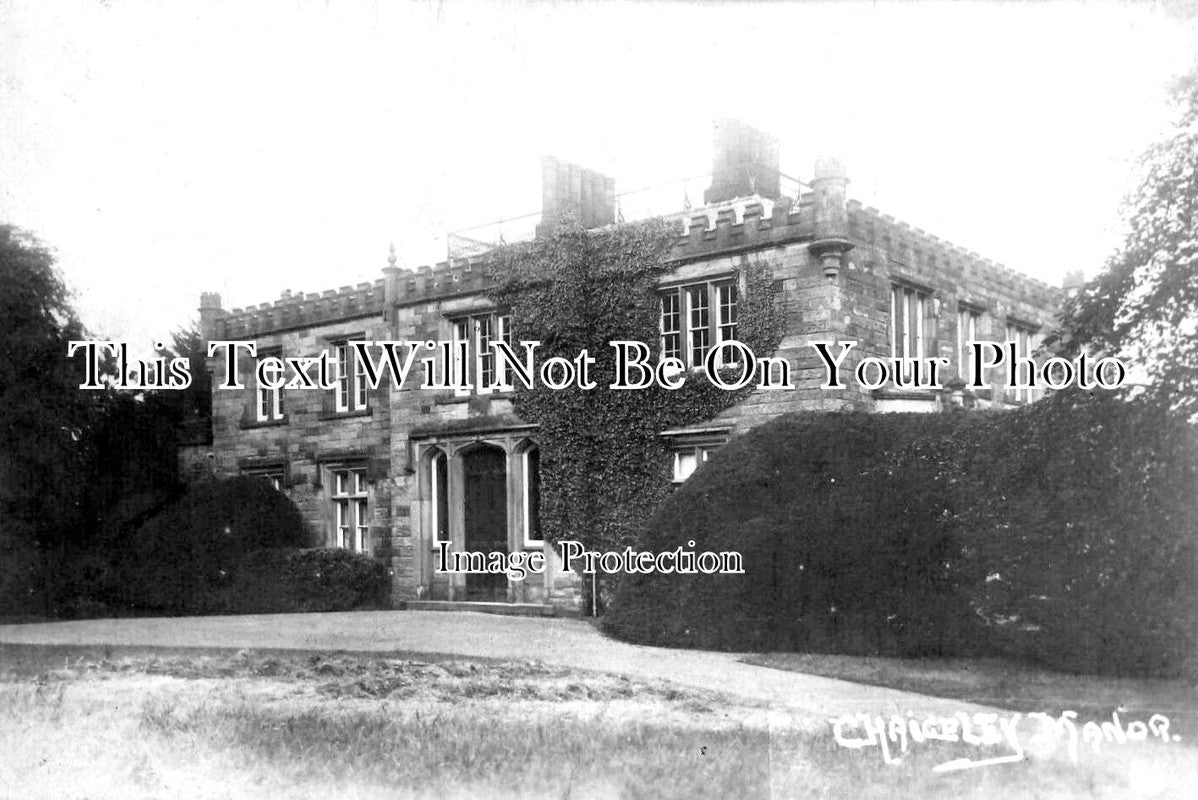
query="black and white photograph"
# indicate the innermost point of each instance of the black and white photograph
(575, 399)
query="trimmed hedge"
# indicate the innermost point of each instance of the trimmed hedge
(844, 543)
(1064, 532)
(179, 560)
(326, 579)
(1086, 520)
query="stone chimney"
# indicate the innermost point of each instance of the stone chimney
(744, 163)
(570, 189)
(211, 316)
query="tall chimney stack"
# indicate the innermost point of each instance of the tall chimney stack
(570, 189)
(744, 163)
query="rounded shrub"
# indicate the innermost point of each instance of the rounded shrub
(179, 559)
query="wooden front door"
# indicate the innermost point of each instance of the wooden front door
(486, 517)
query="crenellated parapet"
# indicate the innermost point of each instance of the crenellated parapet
(918, 250)
(747, 224)
(299, 310)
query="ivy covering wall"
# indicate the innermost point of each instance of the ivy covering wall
(604, 465)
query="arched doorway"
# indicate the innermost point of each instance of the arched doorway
(485, 516)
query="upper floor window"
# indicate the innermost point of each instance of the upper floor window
(696, 318)
(1026, 341)
(351, 391)
(268, 402)
(908, 318)
(350, 508)
(968, 320)
(480, 371)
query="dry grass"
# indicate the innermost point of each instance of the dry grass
(297, 726)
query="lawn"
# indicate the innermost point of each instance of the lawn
(89, 724)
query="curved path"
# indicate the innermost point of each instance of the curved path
(568, 642)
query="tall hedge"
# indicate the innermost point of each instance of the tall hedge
(1063, 532)
(1085, 521)
(848, 539)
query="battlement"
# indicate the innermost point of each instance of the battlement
(722, 228)
(918, 249)
(299, 310)
(742, 224)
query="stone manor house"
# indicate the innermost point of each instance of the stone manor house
(390, 473)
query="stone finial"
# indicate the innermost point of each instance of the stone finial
(391, 258)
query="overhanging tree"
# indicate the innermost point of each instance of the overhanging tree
(1144, 305)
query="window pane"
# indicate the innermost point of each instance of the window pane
(441, 496)
(699, 321)
(896, 321)
(361, 389)
(486, 357)
(671, 326)
(342, 377)
(532, 487)
(684, 465)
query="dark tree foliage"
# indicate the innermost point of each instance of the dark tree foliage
(43, 418)
(604, 465)
(192, 406)
(1144, 305)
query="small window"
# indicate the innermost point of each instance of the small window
(696, 318)
(272, 475)
(687, 460)
(350, 509)
(268, 402)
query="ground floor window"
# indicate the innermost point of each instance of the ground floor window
(272, 475)
(350, 508)
(691, 447)
(687, 460)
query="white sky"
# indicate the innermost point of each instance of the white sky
(164, 149)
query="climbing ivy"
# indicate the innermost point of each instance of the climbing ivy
(604, 465)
